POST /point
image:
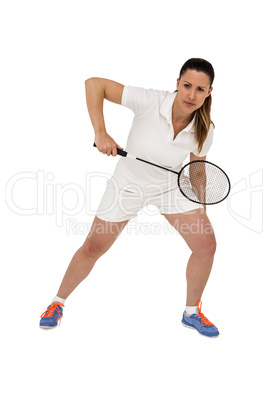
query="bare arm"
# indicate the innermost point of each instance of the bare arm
(98, 89)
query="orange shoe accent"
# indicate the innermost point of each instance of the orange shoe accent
(204, 320)
(51, 309)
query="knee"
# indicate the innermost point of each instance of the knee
(92, 249)
(206, 248)
(211, 246)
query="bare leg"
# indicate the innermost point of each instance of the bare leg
(102, 235)
(197, 231)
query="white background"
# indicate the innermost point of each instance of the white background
(121, 337)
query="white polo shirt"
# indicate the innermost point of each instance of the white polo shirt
(151, 138)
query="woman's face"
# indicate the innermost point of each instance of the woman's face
(193, 88)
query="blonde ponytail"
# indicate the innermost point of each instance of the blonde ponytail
(202, 122)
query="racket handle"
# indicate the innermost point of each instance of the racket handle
(119, 151)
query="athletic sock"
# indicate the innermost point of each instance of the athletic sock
(189, 310)
(56, 298)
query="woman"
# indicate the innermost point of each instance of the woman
(167, 128)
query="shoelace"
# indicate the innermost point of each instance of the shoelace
(204, 320)
(50, 311)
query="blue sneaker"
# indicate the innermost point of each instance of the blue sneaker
(52, 315)
(200, 323)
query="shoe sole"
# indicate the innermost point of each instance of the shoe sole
(47, 327)
(188, 326)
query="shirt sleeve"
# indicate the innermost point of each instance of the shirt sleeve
(207, 144)
(139, 100)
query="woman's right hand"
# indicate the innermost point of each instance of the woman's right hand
(106, 144)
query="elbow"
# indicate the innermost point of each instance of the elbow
(88, 81)
(91, 80)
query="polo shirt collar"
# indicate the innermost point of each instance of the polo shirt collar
(166, 111)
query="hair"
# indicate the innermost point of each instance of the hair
(202, 114)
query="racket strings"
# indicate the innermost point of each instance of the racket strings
(204, 182)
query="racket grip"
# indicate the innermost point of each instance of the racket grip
(119, 151)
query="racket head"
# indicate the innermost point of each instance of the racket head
(214, 189)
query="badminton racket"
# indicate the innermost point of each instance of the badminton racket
(200, 181)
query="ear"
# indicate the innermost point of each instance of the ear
(209, 92)
(178, 80)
